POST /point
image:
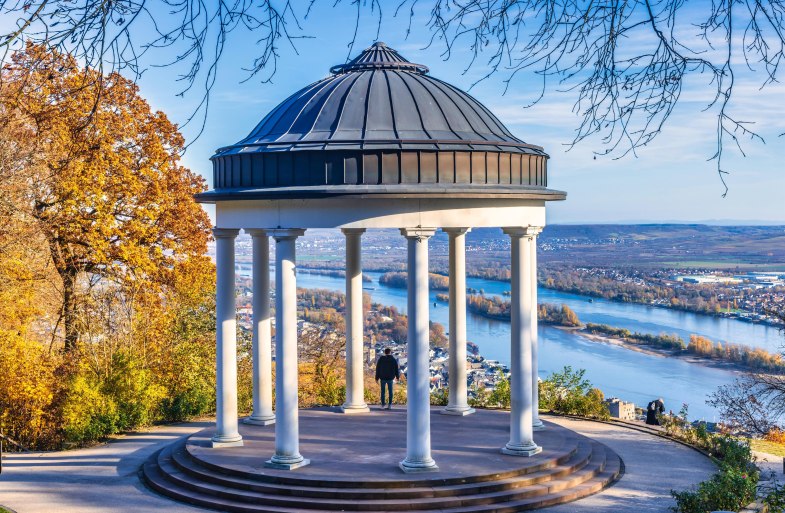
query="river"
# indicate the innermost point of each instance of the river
(619, 372)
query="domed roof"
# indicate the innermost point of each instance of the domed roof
(381, 98)
(376, 120)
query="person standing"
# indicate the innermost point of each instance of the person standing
(654, 407)
(386, 372)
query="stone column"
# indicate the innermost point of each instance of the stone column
(287, 433)
(521, 432)
(226, 433)
(355, 397)
(262, 414)
(536, 422)
(457, 398)
(418, 408)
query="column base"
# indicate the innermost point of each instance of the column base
(522, 450)
(460, 411)
(537, 425)
(418, 466)
(261, 420)
(286, 463)
(227, 441)
(356, 408)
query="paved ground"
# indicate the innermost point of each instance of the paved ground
(105, 478)
(653, 466)
(98, 479)
(373, 445)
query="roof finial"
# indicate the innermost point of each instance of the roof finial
(379, 56)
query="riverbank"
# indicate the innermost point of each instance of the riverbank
(700, 349)
(617, 371)
(440, 281)
(653, 351)
(741, 316)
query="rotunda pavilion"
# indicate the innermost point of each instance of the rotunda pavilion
(378, 144)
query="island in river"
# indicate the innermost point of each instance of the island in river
(699, 349)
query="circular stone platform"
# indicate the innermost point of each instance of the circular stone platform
(354, 467)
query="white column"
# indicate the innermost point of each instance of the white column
(226, 433)
(418, 406)
(521, 432)
(536, 422)
(355, 396)
(457, 397)
(287, 432)
(262, 414)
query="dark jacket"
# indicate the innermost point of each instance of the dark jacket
(652, 410)
(387, 368)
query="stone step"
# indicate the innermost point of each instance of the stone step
(557, 457)
(167, 478)
(152, 476)
(190, 466)
(613, 471)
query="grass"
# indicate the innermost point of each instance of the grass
(3, 510)
(768, 447)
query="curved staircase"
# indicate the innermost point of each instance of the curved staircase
(577, 467)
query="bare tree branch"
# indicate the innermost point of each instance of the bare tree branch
(626, 61)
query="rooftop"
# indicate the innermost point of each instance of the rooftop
(381, 122)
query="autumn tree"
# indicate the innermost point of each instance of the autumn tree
(755, 402)
(101, 180)
(322, 354)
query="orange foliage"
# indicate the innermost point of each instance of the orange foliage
(751, 357)
(105, 188)
(775, 435)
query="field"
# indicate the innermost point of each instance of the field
(768, 447)
(694, 246)
(743, 248)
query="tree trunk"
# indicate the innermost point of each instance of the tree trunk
(69, 311)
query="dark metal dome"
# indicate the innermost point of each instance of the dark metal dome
(377, 120)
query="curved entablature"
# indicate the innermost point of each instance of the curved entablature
(334, 168)
(377, 120)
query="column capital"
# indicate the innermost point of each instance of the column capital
(225, 233)
(353, 231)
(286, 233)
(522, 231)
(456, 231)
(418, 233)
(257, 232)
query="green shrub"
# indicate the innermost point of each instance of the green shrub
(733, 487)
(191, 389)
(568, 392)
(500, 395)
(478, 398)
(440, 397)
(132, 389)
(730, 489)
(331, 391)
(88, 414)
(774, 497)
(732, 452)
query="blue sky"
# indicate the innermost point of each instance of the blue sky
(671, 180)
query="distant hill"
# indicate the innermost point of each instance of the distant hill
(602, 245)
(671, 245)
